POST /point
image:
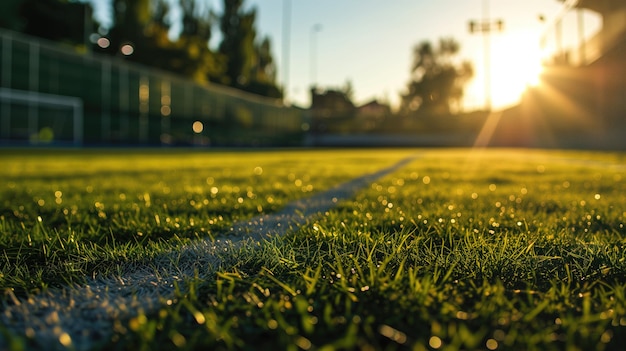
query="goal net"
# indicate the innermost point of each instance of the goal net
(38, 118)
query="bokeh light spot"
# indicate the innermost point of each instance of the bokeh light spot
(435, 342)
(103, 42)
(197, 127)
(127, 49)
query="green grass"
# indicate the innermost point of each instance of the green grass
(461, 249)
(65, 215)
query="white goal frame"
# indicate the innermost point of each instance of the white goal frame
(32, 98)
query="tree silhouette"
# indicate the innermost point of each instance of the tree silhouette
(437, 80)
(145, 25)
(200, 63)
(133, 25)
(9, 18)
(58, 20)
(249, 65)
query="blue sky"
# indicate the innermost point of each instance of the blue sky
(370, 42)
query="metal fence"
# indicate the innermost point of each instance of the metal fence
(54, 93)
(574, 37)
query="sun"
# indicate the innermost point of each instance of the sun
(515, 65)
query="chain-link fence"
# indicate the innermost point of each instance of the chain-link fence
(53, 93)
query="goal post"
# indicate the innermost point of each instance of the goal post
(35, 101)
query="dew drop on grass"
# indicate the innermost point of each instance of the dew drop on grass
(303, 343)
(462, 315)
(393, 334)
(65, 339)
(178, 339)
(491, 344)
(434, 342)
(606, 336)
(199, 317)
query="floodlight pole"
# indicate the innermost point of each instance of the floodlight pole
(487, 54)
(314, 30)
(486, 26)
(285, 38)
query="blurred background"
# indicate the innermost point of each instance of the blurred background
(538, 73)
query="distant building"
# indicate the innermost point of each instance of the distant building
(371, 114)
(331, 104)
(329, 108)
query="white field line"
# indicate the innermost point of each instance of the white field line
(81, 317)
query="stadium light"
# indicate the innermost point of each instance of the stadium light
(285, 38)
(486, 26)
(316, 28)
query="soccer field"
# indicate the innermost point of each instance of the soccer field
(423, 249)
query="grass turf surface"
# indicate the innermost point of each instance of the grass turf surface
(461, 249)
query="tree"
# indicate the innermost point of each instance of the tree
(58, 20)
(249, 65)
(143, 29)
(437, 79)
(238, 35)
(201, 63)
(264, 68)
(131, 24)
(9, 15)
(264, 72)
(146, 25)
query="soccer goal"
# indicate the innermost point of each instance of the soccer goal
(40, 118)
